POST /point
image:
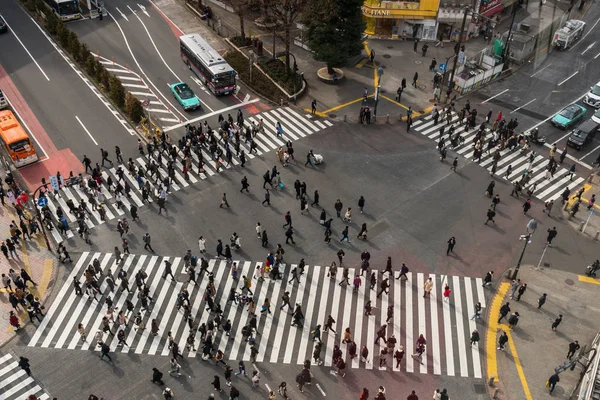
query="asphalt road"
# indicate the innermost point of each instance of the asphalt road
(547, 84)
(137, 36)
(63, 102)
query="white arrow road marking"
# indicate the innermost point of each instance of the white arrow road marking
(143, 10)
(122, 15)
(321, 390)
(587, 48)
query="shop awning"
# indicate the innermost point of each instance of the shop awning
(494, 10)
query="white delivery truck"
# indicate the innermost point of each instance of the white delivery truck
(566, 36)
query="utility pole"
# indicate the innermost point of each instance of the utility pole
(506, 54)
(458, 46)
(527, 241)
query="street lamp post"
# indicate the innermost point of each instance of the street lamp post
(527, 238)
(39, 217)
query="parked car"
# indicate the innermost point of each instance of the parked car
(568, 116)
(593, 96)
(185, 96)
(583, 134)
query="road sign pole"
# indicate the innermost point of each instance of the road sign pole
(516, 272)
(457, 50)
(39, 215)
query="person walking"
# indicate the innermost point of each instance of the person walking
(490, 216)
(504, 310)
(552, 381)
(502, 340)
(427, 287)
(104, 349)
(412, 396)
(316, 334)
(447, 292)
(573, 347)
(147, 242)
(168, 270)
(328, 324)
(24, 364)
(384, 287)
(551, 235)
(542, 300)
(224, 201)
(345, 235)
(557, 322)
(451, 243)
(521, 291)
(474, 337)
(403, 272)
(217, 383)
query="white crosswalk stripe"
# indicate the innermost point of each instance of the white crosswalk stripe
(547, 189)
(267, 142)
(445, 325)
(15, 384)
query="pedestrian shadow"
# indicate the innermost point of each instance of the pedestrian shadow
(503, 215)
(368, 216)
(459, 258)
(497, 229)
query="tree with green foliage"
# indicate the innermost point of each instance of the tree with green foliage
(335, 29)
(134, 108)
(117, 92)
(62, 32)
(84, 54)
(90, 67)
(52, 22)
(74, 46)
(103, 77)
(285, 13)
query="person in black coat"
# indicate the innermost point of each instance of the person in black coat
(157, 376)
(217, 383)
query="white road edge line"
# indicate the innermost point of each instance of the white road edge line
(205, 116)
(540, 70)
(86, 81)
(572, 75)
(589, 153)
(86, 130)
(493, 97)
(597, 55)
(140, 68)
(25, 48)
(524, 105)
(24, 124)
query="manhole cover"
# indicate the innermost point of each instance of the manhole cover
(387, 56)
(569, 282)
(390, 47)
(182, 277)
(331, 115)
(479, 388)
(422, 87)
(418, 62)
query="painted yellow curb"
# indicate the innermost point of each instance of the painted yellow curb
(589, 280)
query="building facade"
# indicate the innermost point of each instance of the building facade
(428, 19)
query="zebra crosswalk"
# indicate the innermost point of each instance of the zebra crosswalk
(446, 325)
(15, 384)
(295, 127)
(546, 189)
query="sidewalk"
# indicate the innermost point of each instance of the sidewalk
(584, 222)
(37, 260)
(533, 349)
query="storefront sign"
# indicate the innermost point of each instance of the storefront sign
(373, 12)
(487, 6)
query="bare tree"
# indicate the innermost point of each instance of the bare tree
(240, 7)
(285, 13)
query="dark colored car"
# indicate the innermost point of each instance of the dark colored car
(583, 134)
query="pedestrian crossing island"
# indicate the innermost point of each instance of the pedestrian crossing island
(446, 325)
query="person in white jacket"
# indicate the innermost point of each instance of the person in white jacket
(202, 244)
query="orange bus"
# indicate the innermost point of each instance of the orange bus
(15, 140)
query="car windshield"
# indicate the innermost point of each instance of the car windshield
(595, 90)
(568, 112)
(185, 92)
(225, 80)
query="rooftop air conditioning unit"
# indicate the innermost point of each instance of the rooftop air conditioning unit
(524, 27)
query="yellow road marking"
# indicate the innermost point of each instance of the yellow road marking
(345, 104)
(490, 344)
(428, 109)
(517, 362)
(375, 74)
(491, 339)
(320, 114)
(362, 63)
(415, 113)
(589, 279)
(586, 187)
